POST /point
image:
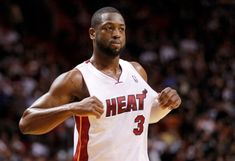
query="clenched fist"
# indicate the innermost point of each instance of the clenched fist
(88, 106)
(169, 98)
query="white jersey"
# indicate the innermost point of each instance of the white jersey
(121, 132)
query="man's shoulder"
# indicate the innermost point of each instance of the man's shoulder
(139, 69)
(72, 75)
(136, 65)
(69, 78)
(70, 82)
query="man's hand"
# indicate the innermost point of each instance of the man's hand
(169, 98)
(88, 106)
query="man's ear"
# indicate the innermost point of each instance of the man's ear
(92, 33)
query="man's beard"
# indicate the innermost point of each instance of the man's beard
(107, 50)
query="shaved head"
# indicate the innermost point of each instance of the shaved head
(97, 16)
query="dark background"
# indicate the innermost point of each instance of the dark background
(187, 45)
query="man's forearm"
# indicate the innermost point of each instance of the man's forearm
(39, 121)
(157, 112)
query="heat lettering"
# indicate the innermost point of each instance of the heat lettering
(111, 107)
(124, 104)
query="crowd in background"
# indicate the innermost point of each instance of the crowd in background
(187, 45)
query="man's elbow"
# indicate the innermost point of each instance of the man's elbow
(23, 127)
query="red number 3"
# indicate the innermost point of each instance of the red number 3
(140, 125)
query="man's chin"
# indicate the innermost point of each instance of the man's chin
(114, 52)
(117, 51)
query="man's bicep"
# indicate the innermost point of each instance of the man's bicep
(59, 93)
(49, 100)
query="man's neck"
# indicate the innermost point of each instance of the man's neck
(102, 61)
(107, 64)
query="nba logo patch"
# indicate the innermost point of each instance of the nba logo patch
(135, 79)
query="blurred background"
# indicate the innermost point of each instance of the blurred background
(187, 45)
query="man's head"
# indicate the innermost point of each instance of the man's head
(108, 31)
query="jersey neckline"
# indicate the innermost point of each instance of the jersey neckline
(102, 75)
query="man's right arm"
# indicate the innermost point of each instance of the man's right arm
(56, 105)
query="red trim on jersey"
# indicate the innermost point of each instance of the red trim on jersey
(77, 120)
(83, 126)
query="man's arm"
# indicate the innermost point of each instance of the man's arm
(166, 100)
(56, 105)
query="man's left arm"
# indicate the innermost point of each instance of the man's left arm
(165, 101)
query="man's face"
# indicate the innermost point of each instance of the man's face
(110, 34)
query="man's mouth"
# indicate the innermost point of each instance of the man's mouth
(115, 44)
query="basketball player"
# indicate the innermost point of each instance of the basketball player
(109, 98)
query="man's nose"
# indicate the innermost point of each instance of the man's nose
(116, 34)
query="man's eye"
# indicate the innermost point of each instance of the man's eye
(122, 29)
(109, 28)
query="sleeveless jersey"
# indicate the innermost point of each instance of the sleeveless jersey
(121, 132)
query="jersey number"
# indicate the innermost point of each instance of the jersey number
(140, 125)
